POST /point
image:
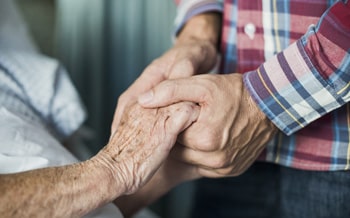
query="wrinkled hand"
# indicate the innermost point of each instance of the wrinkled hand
(170, 174)
(230, 132)
(183, 60)
(143, 140)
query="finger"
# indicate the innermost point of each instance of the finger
(198, 159)
(242, 161)
(172, 91)
(201, 136)
(177, 118)
(116, 119)
(184, 65)
(208, 160)
(124, 99)
(181, 116)
(148, 79)
(210, 164)
(219, 173)
(209, 173)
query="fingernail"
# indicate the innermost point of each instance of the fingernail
(146, 97)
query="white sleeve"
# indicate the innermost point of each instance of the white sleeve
(26, 146)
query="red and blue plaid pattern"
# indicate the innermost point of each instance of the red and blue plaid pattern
(295, 56)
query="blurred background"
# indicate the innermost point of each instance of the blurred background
(105, 45)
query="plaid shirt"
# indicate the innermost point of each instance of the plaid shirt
(295, 56)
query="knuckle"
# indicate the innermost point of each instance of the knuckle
(123, 98)
(170, 89)
(185, 107)
(183, 67)
(209, 88)
(219, 161)
(214, 83)
(181, 110)
(200, 49)
(188, 65)
(155, 65)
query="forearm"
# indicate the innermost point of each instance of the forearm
(205, 27)
(195, 49)
(310, 77)
(67, 191)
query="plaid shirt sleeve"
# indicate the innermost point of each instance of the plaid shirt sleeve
(189, 8)
(309, 78)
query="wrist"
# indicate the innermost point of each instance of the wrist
(109, 173)
(253, 108)
(203, 27)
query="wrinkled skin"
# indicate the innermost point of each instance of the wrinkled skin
(143, 140)
(180, 61)
(194, 52)
(133, 154)
(230, 132)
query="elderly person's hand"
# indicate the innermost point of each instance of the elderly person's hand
(172, 173)
(134, 153)
(143, 141)
(231, 131)
(194, 52)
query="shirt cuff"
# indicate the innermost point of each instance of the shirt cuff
(190, 8)
(308, 79)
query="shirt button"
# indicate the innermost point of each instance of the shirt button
(249, 29)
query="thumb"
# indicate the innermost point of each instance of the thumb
(173, 91)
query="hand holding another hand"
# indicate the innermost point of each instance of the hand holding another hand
(230, 132)
(183, 60)
(194, 52)
(143, 141)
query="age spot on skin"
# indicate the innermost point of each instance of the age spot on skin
(122, 123)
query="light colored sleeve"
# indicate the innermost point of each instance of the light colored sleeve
(189, 8)
(27, 146)
(43, 86)
(309, 78)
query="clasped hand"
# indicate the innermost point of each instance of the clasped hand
(142, 141)
(230, 132)
(183, 60)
